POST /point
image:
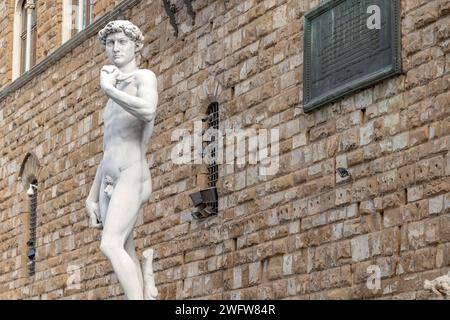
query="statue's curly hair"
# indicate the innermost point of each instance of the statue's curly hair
(129, 29)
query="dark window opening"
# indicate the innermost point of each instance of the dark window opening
(213, 168)
(206, 200)
(31, 243)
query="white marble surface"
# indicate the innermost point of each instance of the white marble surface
(122, 184)
(440, 285)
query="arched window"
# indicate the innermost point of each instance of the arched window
(28, 175)
(77, 16)
(31, 243)
(24, 46)
(213, 168)
(206, 200)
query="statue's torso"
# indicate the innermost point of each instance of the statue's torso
(126, 137)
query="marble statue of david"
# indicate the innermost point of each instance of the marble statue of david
(122, 184)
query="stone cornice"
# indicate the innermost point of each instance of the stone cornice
(68, 46)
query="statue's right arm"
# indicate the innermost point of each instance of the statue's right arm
(92, 200)
(143, 104)
(95, 189)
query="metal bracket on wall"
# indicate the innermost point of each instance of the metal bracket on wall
(170, 10)
(190, 10)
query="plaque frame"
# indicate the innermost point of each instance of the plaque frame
(395, 68)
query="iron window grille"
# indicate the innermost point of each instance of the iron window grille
(213, 168)
(31, 243)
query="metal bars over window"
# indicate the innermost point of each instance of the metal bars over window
(213, 168)
(31, 243)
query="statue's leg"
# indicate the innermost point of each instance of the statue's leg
(131, 250)
(121, 216)
(150, 290)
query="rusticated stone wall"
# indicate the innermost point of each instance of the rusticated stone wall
(303, 233)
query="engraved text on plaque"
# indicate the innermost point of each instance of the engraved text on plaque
(344, 53)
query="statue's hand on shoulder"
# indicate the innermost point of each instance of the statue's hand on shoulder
(108, 76)
(93, 210)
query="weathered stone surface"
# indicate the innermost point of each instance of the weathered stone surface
(302, 233)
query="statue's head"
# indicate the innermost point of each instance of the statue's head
(122, 40)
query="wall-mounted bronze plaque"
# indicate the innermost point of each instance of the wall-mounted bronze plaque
(349, 45)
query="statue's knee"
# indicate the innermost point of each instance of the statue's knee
(109, 248)
(105, 248)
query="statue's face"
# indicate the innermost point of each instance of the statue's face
(120, 49)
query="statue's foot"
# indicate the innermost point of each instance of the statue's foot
(150, 290)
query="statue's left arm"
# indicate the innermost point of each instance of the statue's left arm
(143, 105)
